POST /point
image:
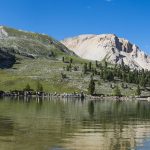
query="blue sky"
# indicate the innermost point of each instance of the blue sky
(65, 18)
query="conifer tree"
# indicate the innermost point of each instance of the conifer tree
(71, 60)
(105, 64)
(138, 91)
(39, 87)
(63, 59)
(91, 88)
(70, 66)
(96, 63)
(85, 68)
(116, 91)
(27, 88)
(143, 81)
(90, 66)
(67, 68)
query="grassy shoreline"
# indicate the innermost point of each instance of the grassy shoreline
(68, 96)
(48, 73)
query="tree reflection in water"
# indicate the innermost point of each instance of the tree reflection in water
(73, 124)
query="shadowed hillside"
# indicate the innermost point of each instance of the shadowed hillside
(16, 43)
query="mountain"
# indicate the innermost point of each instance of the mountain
(17, 43)
(108, 47)
(28, 58)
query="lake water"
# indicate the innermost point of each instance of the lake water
(74, 125)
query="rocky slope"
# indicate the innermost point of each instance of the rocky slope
(16, 43)
(110, 48)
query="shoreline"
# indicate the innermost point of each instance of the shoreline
(34, 94)
(122, 98)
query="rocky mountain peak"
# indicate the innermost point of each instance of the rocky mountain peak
(3, 33)
(109, 47)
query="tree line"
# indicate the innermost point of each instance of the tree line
(122, 73)
(111, 73)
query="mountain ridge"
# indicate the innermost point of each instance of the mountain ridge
(109, 47)
(18, 43)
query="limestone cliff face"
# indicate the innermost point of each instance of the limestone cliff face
(109, 47)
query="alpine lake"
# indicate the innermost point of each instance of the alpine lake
(74, 124)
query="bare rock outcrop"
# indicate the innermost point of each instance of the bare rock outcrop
(108, 47)
(3, 33)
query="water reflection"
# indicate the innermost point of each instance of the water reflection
(39, 104)
(91, 108)
(73, 124)
(6, 126)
